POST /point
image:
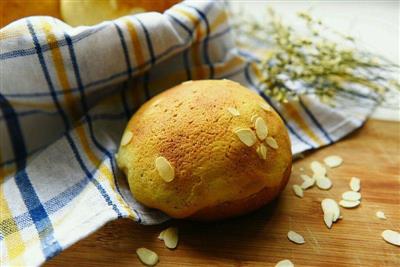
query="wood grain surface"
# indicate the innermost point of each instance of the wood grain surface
(259, 239)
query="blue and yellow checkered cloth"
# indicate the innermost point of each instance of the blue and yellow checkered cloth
(66, 94)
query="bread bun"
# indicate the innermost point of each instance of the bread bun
(90, 12)
(11, 10)
(199, 150)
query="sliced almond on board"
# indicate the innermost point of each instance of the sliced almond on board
(298, 191)
(328, 219)
(261, 128)
(272, 142)
(380, 215)
(170, 237)
(295, 237)
(317, 176)
(330, 205)
(307, 184)
(126, 138)
(262, 151)
(246, 135)
(351, 195)
(147, 256)
(318, 168)
(161, 235)
(391, 237)
(355, 184)
(305, 177)
(324, 183)
(284, 263)
(349, 204)
(165, 169)
(333, 161)
(233, 111)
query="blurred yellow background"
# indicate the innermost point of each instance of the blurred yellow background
(78, 12)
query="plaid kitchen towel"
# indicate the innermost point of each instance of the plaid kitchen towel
(66, 94)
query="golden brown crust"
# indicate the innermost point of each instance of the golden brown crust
(190, 126)
(242, 206)
(91, 12)
(12, 10)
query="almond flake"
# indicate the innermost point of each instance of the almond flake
(161, 235)
(261, 128)
(307, 184)
(253, 118)
(164, 168)
(147, 256)
(298, 191)
(301, 169)
(126, 138)
(380, 215)
(272, 142)
(305, 177)
(328, 219)
(351, 195)
(391, 237)
(284, 263)
(246, 135)
(262, 151)
(355, 184)
(333, 161)
(330, 206)
(349, 204)
(317, 176)
(265, 106)
(295, 237)
(324, 183)
(307, 181)
(318, 168)
(170, 237)
(156, 103)
(234, 111)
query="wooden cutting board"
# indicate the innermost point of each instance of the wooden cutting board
(259, 239)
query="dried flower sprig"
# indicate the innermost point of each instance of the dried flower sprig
(294, 64)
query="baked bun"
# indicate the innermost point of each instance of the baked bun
(201, 150)
(11, 10)
(90, 12)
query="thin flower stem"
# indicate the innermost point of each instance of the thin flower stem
(321, 65)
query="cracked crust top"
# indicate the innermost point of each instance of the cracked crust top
(191, 127)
